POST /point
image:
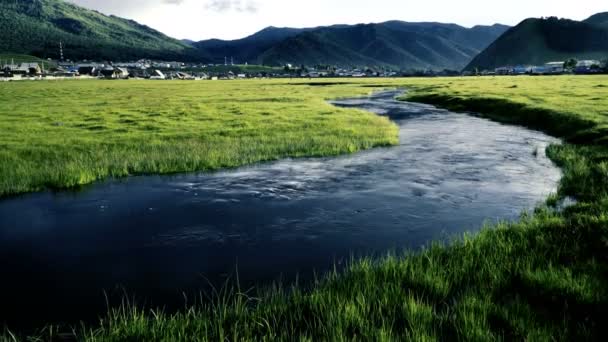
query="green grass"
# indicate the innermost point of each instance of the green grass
(543, 278)
(60, 135)
(571, 107)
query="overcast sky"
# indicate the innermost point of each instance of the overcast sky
(232, 19)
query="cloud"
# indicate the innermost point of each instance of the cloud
(125, 7)
(222, 6)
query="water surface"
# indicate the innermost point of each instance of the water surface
(156, 236)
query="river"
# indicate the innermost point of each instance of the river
(156, 236)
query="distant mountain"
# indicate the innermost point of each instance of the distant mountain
(537, 41)
(188, 42)
(392, 44)
(246, 49)
(37, 26)
(600, 19)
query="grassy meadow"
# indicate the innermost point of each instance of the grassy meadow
(544, 278)
(571, 107)
(70, 133)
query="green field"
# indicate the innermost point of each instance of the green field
(58, 135)
(541, 279)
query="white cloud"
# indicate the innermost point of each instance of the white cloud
(231, 19)
(232, 5)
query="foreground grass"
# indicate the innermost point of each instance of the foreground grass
(65, 134)
(541, 279)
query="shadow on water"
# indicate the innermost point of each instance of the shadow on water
(158, 236)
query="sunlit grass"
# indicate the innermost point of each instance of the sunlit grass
(65, 134)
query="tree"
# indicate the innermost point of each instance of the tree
(570, 64)
(605, 64)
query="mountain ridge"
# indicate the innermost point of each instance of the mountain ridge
(37, 27)
(447, 45)
(537, 41)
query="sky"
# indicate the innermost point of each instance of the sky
(233, 19)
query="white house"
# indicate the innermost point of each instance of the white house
(158, 75)
(554, 67)
(588, 63)
(587, 66)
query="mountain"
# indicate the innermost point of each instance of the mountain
(600, 19)
(37, 26)
(246, 49)
(537, 41)
(392, 44)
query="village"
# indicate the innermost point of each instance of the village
(571, 66)
(162, 70)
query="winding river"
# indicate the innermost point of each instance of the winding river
(156, 236)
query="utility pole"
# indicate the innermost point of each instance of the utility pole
(231, 60)
(61, 50)
(225, 61)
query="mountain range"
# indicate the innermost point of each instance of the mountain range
(537, 41)
(37, 27)
(393, 44)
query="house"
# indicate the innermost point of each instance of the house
(554, 68)
(184, 76)
(158, 75)
(587, 67)
(31, 68)
(114, 73)
(87, 70)
(24, 69)
(5, 71)
(521, 70)
(538, 70)
(138, 73)
(503, 71)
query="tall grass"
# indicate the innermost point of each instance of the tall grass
(65, 134)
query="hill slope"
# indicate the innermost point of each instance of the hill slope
(393, 44)
(6, 58)
(600, 19)
(37, 26)
(246, 49)
(537, 41)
